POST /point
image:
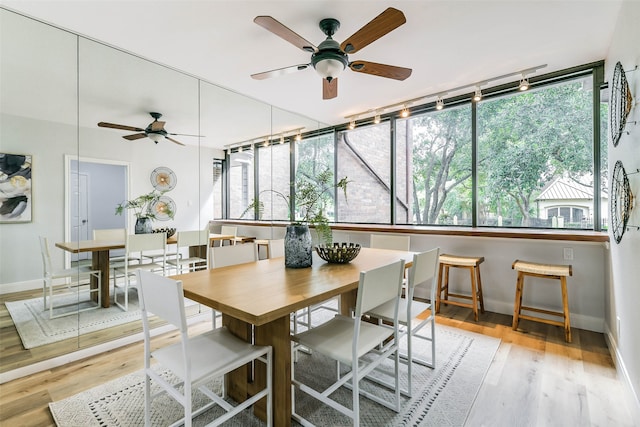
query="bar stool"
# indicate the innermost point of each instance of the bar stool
(547, 271)
(473, 264)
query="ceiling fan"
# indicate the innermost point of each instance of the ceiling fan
(330, 58)
(155, 131)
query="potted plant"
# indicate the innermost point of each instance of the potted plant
(146, 207)
(310, 199)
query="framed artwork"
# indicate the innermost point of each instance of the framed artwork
(15, 188)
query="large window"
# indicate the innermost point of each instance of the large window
(364, 157)
(240, 182)
(433, 168)
(514, 159)
(535, 157)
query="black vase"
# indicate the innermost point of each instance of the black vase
(143, 226)
(297, 247)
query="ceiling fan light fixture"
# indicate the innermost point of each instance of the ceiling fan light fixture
(156, 137)
(329, 60)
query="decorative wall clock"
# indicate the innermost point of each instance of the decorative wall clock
(163, 179)
(164, 208)
(621, 201)
(620, 103)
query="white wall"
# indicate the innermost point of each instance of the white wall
(623, 291)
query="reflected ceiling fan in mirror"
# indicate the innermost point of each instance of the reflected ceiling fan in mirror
(330, 57)
(154, 131)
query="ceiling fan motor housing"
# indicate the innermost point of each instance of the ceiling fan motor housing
(329, 60)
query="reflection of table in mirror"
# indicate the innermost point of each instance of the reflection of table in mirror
(256, 300)
(99, 260)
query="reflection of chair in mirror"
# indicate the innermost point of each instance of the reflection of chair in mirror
(194, 360)
(191, 239)
(135, 246)
(348, 339)
(388, 241)
(228, 230)
(74, 278)
(410, 316)
(114, 235)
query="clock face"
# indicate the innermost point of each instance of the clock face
(163, 179)
(620, 105)
(620, 203)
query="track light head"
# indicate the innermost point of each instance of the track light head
(478, 95)
(405, 112)
(524, 84)
(439, 104)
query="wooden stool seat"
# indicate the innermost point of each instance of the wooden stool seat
(546, 271)
(473, 264)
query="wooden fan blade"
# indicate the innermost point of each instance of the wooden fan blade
(135, 136)
(329, 89)
(122, 127)
(381, 70)
(174, 141)
(157, 126)
(382, 24)
(280, 30)
(279, 72)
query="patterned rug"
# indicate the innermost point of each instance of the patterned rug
(36, 329)
(443, 397)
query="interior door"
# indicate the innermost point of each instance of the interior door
(79, 211)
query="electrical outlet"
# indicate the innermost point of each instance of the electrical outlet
(568, 254)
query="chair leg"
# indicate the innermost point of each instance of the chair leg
(439, 290)
(474, 293)
(565, 307)
(479, 282)
(518, 300)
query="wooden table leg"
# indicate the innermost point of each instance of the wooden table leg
(238, 382)
(348, 302)
(100, 261)
(277, 335)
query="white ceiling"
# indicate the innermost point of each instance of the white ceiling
(446, 43)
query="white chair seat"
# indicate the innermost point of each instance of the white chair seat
(335, 338)
(385, 311)
(229, 351)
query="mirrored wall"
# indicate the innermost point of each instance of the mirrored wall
(56, 87)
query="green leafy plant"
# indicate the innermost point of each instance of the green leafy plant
(310, 199)
(142, 204)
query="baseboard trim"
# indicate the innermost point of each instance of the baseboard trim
(92, 351)
(633, 399)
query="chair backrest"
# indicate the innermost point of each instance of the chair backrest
(193, 238)
(379, 285)
(110, 234)
(163, 297)
(276, 248)
(229, 230)
(46, 257)
(222, 256)
(388, 241)
(146, 242)
(423, 271)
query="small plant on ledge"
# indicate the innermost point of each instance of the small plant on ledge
(310, 198)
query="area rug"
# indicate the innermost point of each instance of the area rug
(36, 329)
(442, 396)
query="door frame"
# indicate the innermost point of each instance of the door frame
(68, 158)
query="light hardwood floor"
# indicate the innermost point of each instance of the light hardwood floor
(536, 379)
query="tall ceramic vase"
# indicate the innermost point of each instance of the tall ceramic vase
(143, 226)
(297, 247)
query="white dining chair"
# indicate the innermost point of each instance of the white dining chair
(275, 248)
(135, 246)
(348, 339)
(116, 235)
(186, 240)
(73, 280)
(222, 256)
(390, 241)
(195, 360)
(411, 316)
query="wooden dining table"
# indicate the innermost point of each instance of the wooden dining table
(256, 300)
(100, 257)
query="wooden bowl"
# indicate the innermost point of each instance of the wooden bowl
(338, 253)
